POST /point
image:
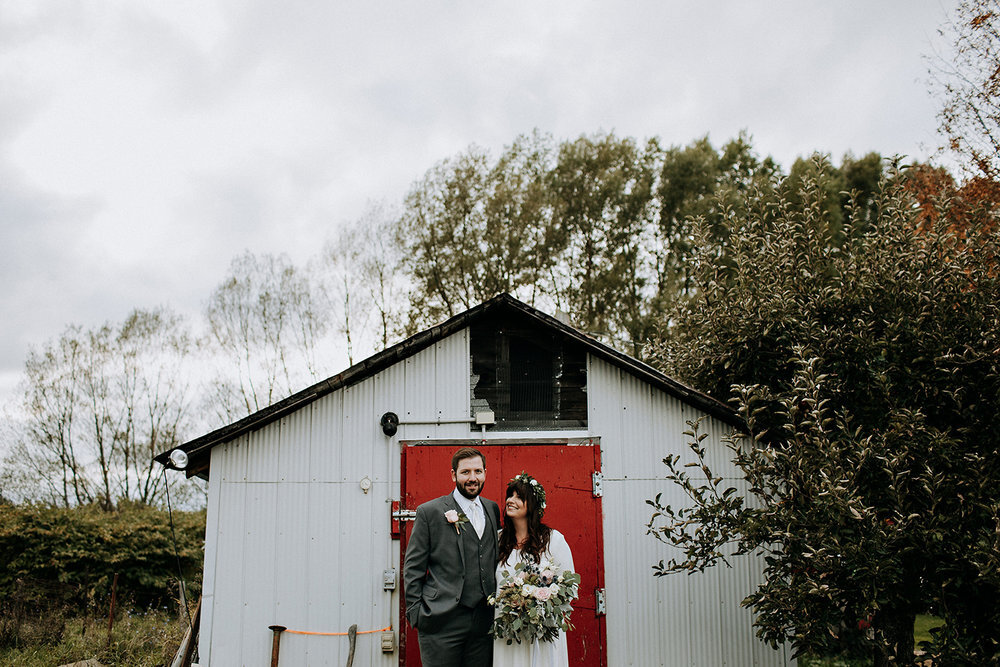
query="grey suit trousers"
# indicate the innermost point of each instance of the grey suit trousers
(460, 639)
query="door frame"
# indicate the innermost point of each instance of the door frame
(507, 440)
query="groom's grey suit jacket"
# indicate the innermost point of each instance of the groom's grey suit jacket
(435, 564)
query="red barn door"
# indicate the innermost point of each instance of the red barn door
(566, 472)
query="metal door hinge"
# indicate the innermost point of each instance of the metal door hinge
(598, 480)
(600, 602)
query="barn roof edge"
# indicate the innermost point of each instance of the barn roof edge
(198, 448)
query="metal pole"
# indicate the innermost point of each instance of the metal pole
(275, 642)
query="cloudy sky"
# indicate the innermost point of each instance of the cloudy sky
(145, 144)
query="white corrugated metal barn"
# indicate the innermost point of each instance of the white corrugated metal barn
(305, 497)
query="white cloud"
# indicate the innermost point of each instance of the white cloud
(143, 145)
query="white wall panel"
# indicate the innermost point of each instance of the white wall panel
(689, 620)
(259, 573)
(294, 458)
(605, 413)
(263, 447)
(451, 377)
(227, 617)
(389, 396)
(419, 387)
(229, 460)
(327, 437)
(357, 451)
(294, 572)
(211, 557)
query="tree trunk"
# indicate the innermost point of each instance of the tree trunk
(896, 631)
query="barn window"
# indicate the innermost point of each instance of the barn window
(530, 377)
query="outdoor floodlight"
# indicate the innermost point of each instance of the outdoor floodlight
(178, 459)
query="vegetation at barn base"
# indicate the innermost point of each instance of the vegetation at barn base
(145, 639)
(56, 557)
(865, 358)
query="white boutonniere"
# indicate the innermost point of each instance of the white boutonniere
(456, 518)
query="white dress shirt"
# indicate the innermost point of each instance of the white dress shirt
(473, 509)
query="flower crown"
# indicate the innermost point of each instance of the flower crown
(535, 487)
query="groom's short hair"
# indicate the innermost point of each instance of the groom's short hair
(466, 453)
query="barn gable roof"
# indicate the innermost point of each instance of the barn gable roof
(198, 449)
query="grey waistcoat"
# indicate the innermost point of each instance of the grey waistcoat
(480, 570)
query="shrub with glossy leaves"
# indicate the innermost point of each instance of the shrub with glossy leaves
(866, 365)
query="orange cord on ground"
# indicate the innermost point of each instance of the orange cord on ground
(338, 634)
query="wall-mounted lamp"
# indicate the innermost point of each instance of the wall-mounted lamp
(178, 460)
(389, 423)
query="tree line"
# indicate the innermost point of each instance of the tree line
(600, 227)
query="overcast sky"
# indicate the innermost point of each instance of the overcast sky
(145, 144)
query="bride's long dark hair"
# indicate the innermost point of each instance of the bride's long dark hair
(538, 532)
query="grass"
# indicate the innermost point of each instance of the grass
(921, 632)
(151, 639)
(148, 639)
(922, 628)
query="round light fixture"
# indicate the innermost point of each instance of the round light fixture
(178, 459)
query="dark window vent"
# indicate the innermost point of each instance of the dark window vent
(531, 378)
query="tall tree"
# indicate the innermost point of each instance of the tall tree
(52, 381)
(603, 205)
(966, 78)
(869, 378)
(700, 182)
(441, 226)
(266, 323)
(151, 364)
(99, 404)
(472, 228)
(379, 256)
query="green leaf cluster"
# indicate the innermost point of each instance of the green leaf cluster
(600, 227)
(864, 356)
(83, 548)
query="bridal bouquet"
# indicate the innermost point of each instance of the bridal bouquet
(533, 603)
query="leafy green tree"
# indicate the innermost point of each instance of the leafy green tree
(440, 229)
(868, 374)
(603, 206)
(83, 548)
(700, 182)
(472, 228)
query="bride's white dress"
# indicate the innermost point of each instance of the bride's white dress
(535, 654)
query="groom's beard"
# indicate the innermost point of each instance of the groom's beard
(470, 489)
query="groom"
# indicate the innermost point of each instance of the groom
(450, 569)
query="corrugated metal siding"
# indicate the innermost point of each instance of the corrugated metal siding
(676, 620)
(292, 538)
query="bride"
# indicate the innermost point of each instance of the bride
(525, 538)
